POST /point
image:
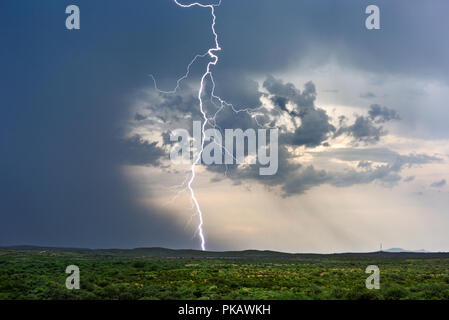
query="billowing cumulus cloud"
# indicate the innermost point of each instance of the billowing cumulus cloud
(136, 151)
(439, 184)
(297, 179)
(365, 128)
(382, 114)
(362, 130)
(310, 127)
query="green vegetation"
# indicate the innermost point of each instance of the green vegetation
(158, 274)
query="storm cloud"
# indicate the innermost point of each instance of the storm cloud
(64, 98)
(382, 114)
(365, 128)
(315, 126)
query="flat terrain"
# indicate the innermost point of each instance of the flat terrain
(156, 273)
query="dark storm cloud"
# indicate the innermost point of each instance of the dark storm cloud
(303, 100)
(315, 127)
(362, 130)
(367, 95)
(139, 117)
(180, 109)
(387, 174)
(238, 89)
(382, 114)
(377, 155)
(364, 164)
(365, 128)
(136, 151)
(176, 107)
(251, 173)
(313, 130)
(64, 94)
(438, 184)
(411, 32)
(304, 180)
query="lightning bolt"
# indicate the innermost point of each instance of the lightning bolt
(211, 52)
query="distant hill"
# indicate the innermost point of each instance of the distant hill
(245, 254)
(403, 250)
